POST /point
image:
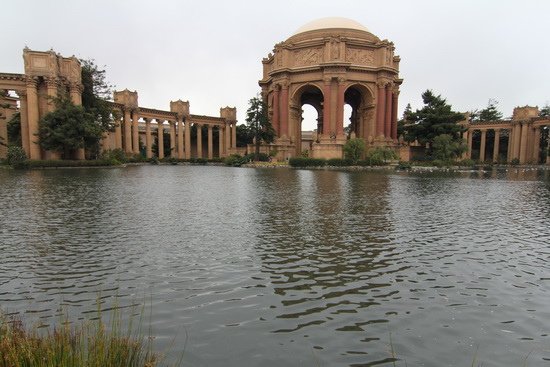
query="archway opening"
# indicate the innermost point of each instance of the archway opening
(356, 98)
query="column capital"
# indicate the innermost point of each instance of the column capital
(341, 80)
(285, 84)
(51, 81)
(327, 80)
(31, 81)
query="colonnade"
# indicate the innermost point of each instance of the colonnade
(386, 111)
(524, 139)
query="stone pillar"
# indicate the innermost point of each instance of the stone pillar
(127, 132)
(220, 140)
(210, 146)
(33, 116)
(187, 139)
(470, 143)
(496, 146)
(199, 141)
(227, 144)
(516, 133)
(51, 87)
(148, 140)
(380, 109)
(394, 105)
(548, 151)
(76, 94)
(482, 147)
(135, 132)
(340, 107)
(327, 102)
(181, 151)
(284, 111)
(172, 125)
(523, 143)
(536, 146)
(389, 109)
(118, 134)
(160, 138)
(234, 136)
(275, 122)
(24, 121)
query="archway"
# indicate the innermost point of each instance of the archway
(358, 102)
(307, 119)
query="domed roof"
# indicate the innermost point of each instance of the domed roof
(331, 23)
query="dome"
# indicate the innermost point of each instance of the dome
(331, 23)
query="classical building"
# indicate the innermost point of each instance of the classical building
(47, 74)
(327, 64)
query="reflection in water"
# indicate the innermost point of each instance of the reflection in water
(287, 267)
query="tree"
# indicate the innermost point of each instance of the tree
(68, 128)
(545, 111)
(404, 120)
(244, 135)
(14, 129)
(490, 113)
(434, 119)
(446, 148)
(258, 123)
(354, 149)
(96, 94)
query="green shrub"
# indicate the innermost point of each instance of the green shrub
(404, 166)
(235, 160)
(306, 162)
(54, 163)
(514, 162)
(16, 157)
(354, 149)
(154, 160)
(441, 163)
(380, 156)
(339, 162)
(115, 154)
(466, 162)
(262, 157)
(137, 158)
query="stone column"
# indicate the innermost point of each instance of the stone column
(51, 86)
(326, 107)
(389, 109)
(548, 151)
(340, 107)
(523, 143)
(470, 143)
(199, 141)
(24, 121)
(275, 122)
(394, 105)
(536, 146)
(220, 140)
(187, 139)
(160, 138)
(284, 111)
(135, 132)
(148, 140)
(516, 133)
(227, 144)
(127, 132)
(118, 134)
(76, 94)
(33, 116)
(172, 125)
(482, 147)
(496, 146)
(234, 136)
(380, 109)
(181, 151)
(210, 146)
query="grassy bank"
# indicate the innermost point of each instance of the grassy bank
(91, 343)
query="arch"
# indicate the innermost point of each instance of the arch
(361, 122)
(306, 94)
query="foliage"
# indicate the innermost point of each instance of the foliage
(201, 161)
(306, 162)
(14, 129)
(96, 94)
(16, 157)
(434, 119)
(339, 162)
(404, 120)
(244, 135)
(68, 128)
(260, 157)
(114, 155)
(446, 148)
(51, 163)
(354, 149)
(380, 156)
(545, 111)
(166, 145)
(490, 113)
(404, 166)
(87, 344)
(466, 162)
(514, 162)
(235, 160)
(258, 123)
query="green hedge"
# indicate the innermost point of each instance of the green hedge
(69, 163)
(306, 162)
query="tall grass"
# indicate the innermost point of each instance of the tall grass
(90, 343)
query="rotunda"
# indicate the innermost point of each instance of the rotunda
(327, 64)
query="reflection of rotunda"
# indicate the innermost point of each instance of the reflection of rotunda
(327, 64)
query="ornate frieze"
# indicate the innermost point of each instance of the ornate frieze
(308, 56)
(358, 56)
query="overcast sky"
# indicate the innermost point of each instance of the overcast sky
(209, 52)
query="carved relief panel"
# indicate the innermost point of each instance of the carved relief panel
(358, 56)
(308, 56)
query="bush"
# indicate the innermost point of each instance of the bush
(154, 160)
(235, 160)
(306, 162)
(466, 163)
(339, 162)
(262, 157)
(380, 156)
(16, 157)
(137, 158)
(115, 155)
(404, 166)
(354, 149)
(514, 162)
(54, 163)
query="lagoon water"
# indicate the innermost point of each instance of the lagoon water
(282, 267)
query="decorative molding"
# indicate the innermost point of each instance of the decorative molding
(358, 56)
(308, 56)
